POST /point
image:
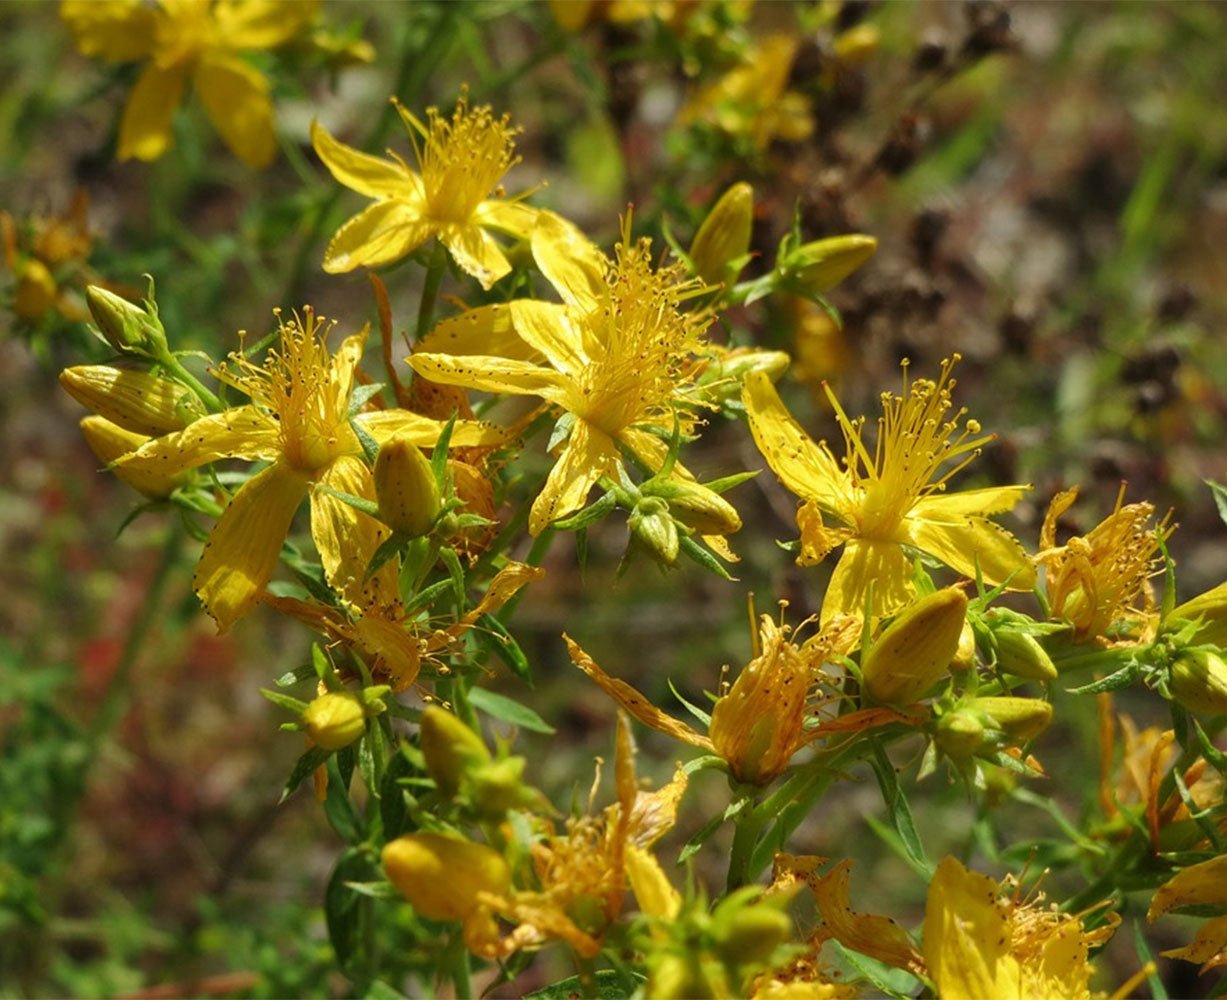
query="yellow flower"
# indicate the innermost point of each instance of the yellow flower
(1101, 580)
(298, 420)
(196, 39)
(583, 874)
(979, 943)
(1203, 884)
(617, 355)
(767, 715)
(47, 255)
(455, 197)
(892, 498)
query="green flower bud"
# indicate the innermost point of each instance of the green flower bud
(334, 720)
(1020, 653)
(441, 875)
(405, 488)
(110, 441)
(965, 656)
(915, 650)
(451, 749)
(815, 268)
(750, 934)
(674, 977)
(724, 237)
(126, 326)
(1198, 681)
(960, 733)
(1021, 718)
(498, 786)
(695, 506)
(135, 400)
(1210, 609)
(653, 529)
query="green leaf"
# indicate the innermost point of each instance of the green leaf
(438, 456)
(340, 811)
(307, 763)
(361, 395)
(296, 676)
(1157, 990)
(379, 990)
(693, 550)
(505, 709)
(694, 710)
(388, 548)
(342, 906)
(358, 503)
(1127, 675)
(294, 705)
(426, 596)
(726, 483)
(610, 985)
(455, 573)
(393, 811)
(590, 514)
(493, 635)
(370, 447)
(704, 833)
(900, 811)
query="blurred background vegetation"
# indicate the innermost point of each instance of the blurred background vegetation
(1048, 186)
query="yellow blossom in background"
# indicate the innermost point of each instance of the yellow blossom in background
(752, 101)
(582, 875)
(299, 420)
(196, 40)
(617, 356)
(891, 498)
(979, 942)
(1203, 884)
(46, 256)
(454, 196)
(1101, 581)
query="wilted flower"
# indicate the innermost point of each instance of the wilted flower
(1203, 884)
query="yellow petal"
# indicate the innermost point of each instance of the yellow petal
(243, 549)
(262, 24)
(632, 701)
(500, 375)
(346, 538)
(424, 431)
(475, 251)
(1200, 884)
(118, 30)
(1209, 947)
(656, 895)
(384, 232)
(144, 131)
(484, 330)
(953, 507)
(512, 217)
(975, 541)
(235, 97)
(588, 454)
(243, 432)
(361, 172)
(817, 540)
(809, 470)
(881, 566)
(573, 265)
(548, 327)
(966, 936)
(345, 361)
(876, 936)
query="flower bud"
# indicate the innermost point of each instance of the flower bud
(406, 488)
(35, 292)
(750, 934)
(915, 650)
(722, 377)
(724, 237)
(652, 528)
(136, 400)
(818, 267)
(1020, 653)
(1022, 718)
(695, 506)
(499, 786)
(441, 875)
(1210, 609)
(965, 656)
(110, 441)
(960, 733)
(1198, 681)
(451, 749)
(126, 326)
(675, 977)
(857, 44)
(334, 720)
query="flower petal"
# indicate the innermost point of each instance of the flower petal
(1198, 885)
(262, 24)
(243, 549)
(512, 217)
(144, 131)
(966, 936)
(572, 263)
(876, 936)
(806, 468)
(475, 251)
(953, 507)
(235, 97)
(382, 233)
(653, 891)
(548, 327)
(483, 330)
(881, 566)
(499, 375)
(117, 30)
(242, 432)
(346, 538)
(361, 172)
(424, 431)
(972, 542)
(588, 454)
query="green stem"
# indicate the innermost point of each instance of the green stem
(430, 290)
(747, 827)
(210, 400)
(458, 967)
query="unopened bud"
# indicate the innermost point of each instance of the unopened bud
(126, 326)
(35, 292)
(653, 529)
(723, 376)
(136, 400)
(1021, 718)
(451, 749)
(110, 441)
(965, 656)
(724, 238)
(857, 44)
(1210, 609)
(406, 488)
(499, 786)
(817, 267)
(334, 720)
(441, 875)
(960, 733)
(1199, 681)
(675, 977)
(750, 934)
(915, 650)
(1020, 653)
(695, 506)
